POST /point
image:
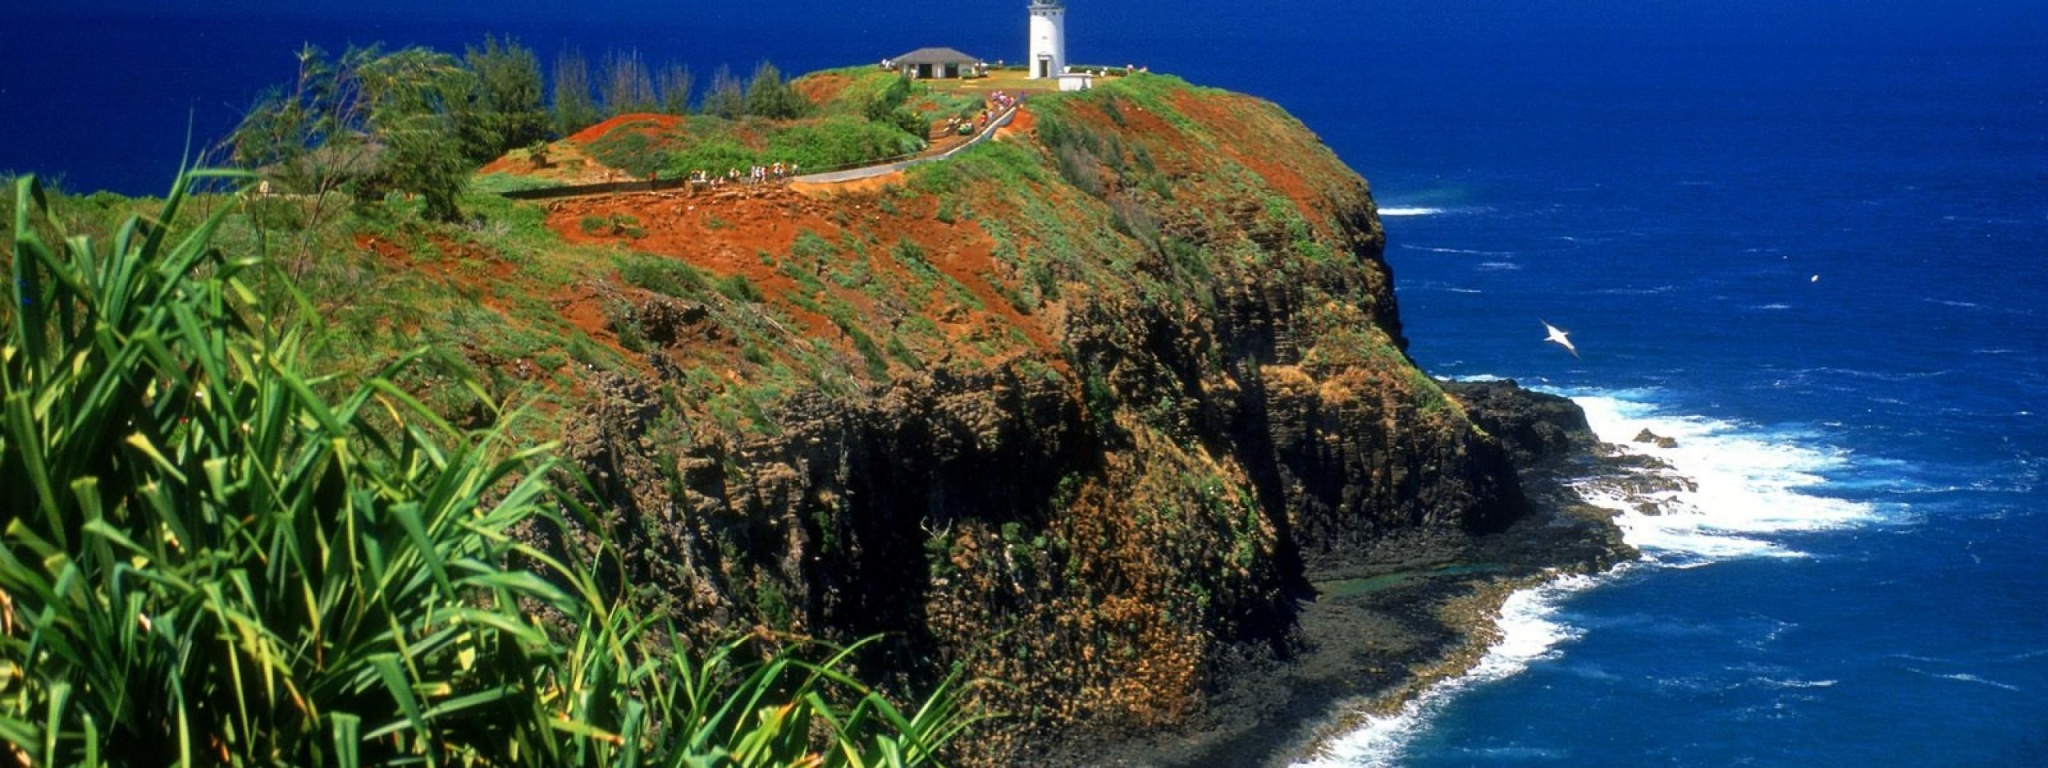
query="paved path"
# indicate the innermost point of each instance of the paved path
(828, 177)
(871, 171)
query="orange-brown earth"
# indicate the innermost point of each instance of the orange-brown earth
(727, 231)
(822, 87)
(569, 160)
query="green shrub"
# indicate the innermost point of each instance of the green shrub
(836, 142)
(711, 147)
(839, 141)
(501, 183)
(812, 247)
(738, 288)
(663, 275)
(629, 149)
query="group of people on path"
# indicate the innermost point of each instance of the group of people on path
(1002, 101)
(998, 103)
(755, 174)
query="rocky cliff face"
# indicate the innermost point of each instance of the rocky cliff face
(1084, 410)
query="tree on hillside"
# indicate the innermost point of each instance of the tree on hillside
(508, 108)
(574, 110)
(627, 86)
(770, 96)
(309, 138)
(370, 123)
(888, 107)
(674, 82)
(727, 98)
(416, 99)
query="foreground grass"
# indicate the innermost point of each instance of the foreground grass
(209, 555)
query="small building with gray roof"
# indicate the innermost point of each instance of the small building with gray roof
(927, 63)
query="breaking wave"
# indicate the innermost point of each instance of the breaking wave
(1408, 210)
(1712, 490)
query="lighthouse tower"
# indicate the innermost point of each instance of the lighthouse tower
(1048, 38)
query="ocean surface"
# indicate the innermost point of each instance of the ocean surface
(1808, 240)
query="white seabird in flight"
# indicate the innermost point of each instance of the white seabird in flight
(1559, 335)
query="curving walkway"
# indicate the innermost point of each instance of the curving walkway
(884, 169)
(827, 177)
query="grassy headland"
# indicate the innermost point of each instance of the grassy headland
(1085, 412)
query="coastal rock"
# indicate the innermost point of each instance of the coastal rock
(1652, 438)
(1539, 430)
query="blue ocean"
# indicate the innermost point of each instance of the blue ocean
(1807, 240)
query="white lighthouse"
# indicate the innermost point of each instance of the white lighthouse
(1048, 38)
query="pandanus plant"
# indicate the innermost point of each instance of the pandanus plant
(210, 556)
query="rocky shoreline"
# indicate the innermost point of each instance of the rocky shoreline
(1371, 640)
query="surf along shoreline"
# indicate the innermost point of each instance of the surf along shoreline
(1369, 644)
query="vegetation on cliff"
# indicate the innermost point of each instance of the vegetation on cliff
(1124, 381)
(1084, 409)
(211, 556)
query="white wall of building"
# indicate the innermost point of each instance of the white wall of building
(1048, 38)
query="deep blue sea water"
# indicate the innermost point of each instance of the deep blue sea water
(1808, 239)
(1818, 263)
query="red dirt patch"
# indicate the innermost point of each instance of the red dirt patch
(478, 273)
(470, 267)
(569, 160)
(1023, 123)
(821, 88)
(1237, 130)
(719, 230)
(646, 123)
(506, 164)
(751, 231)
(567, 163)
(583, 307)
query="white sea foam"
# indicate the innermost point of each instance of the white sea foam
(1459, 251)
(1528, 754)
(1409, 210)
(1777, 683)
(1965, 677)
(1652, 291)
(1737, 487)
(1529, 632)
(1893, 376)
(1745, 484)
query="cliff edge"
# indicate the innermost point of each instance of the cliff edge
(1097, 409)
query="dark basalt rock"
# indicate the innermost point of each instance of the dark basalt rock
(1652, 438)
(1539, 430)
